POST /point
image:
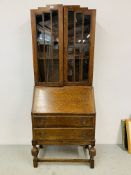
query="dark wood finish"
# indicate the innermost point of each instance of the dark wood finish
(63, 115)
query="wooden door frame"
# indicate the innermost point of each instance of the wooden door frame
(91, 12)
(38, 11)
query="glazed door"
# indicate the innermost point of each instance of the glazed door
(79, 33)
(47, 36)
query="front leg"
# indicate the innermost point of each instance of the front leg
(35, 152)
(92, 153)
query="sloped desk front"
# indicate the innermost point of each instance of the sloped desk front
(63, 116)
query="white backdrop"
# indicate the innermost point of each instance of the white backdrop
(112, 69)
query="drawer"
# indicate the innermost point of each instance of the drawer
(63, 121)
(58, 134)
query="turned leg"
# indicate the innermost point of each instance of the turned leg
(35, 152)
(92, 153)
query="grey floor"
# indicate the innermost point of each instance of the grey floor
(110, 160)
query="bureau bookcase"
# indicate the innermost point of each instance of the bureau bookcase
(63, 108)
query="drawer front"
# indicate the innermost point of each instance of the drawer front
(58, 134)
(63, 121)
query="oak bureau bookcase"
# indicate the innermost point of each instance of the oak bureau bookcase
(63, 108)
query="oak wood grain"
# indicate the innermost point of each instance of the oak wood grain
(63, 100)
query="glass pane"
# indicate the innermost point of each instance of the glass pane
(41, 70)
(55, 36)
(55, 26)
(56, 68)
(47, 28)
(78, 46)
(48, 46)
(70, 52)
(70, 29)
(39, 28)
(48, 70)
(85, 69)
(47, 35)
(40, 49)
(70, 56)
(40, 38)
(77, 69)
(47, 52)
(70, 63)
(70, 69)
(43, 29)
(86, 37)
(44, 46)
